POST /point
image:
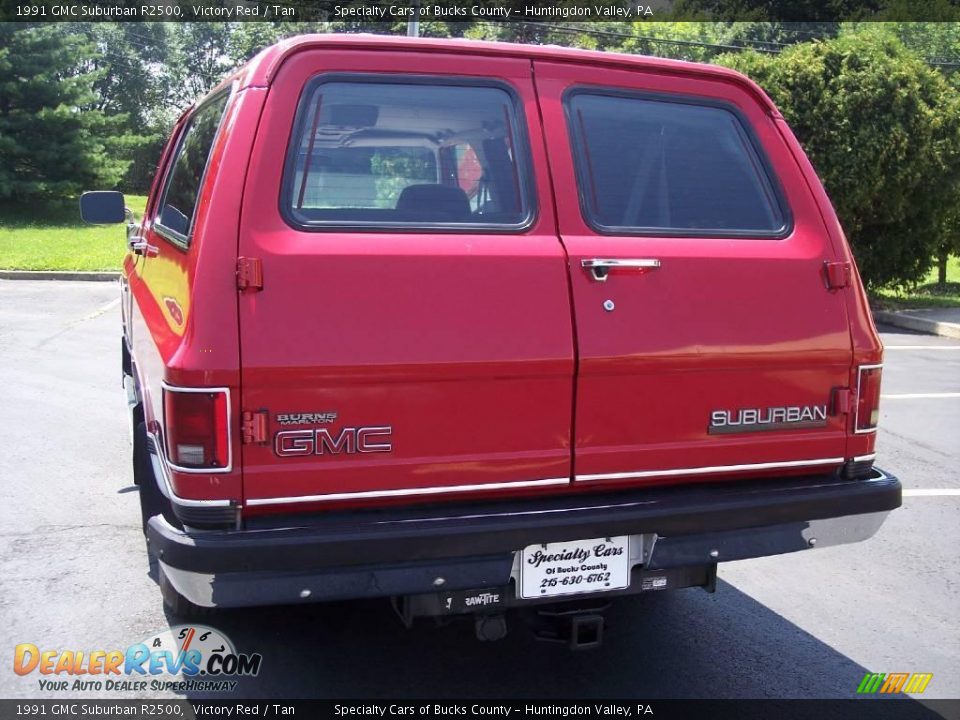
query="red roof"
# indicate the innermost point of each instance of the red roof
(261, 69)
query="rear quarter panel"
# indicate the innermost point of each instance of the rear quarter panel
(184, 311)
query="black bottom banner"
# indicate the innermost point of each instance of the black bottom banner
(867, 709)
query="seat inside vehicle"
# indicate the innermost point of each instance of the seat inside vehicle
(428, 202)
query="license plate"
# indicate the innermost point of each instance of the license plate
(571, 568)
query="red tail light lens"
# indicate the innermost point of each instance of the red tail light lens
(868, 398)
(196, 428)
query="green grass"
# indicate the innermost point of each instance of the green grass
(62, 241)
(926, 294)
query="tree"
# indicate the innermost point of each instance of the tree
(54, 141)
(199, 59)
(949, 243)
(693, 41)
(883, 130)
(781, 10)
(127, 63)
(133, 81)
(246, 39)
(950, 239)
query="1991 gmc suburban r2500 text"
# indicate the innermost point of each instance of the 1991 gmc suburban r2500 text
(476, 325)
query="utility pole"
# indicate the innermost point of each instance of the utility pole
(413, 26)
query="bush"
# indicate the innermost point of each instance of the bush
(883, 130)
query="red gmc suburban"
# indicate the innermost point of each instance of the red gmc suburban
(475, 325)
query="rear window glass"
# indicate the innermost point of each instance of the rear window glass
(664, 167)
(369, 153)
(187, 169)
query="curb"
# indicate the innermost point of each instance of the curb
(910, 322)
(57, 275)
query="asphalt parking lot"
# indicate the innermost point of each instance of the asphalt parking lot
(73, 570)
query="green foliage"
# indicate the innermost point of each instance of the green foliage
(950, 239)
(54, 140)
(58, 240)
(930, 292)
(396, 168)
(198, 60)
(126, 61)
(913, 10)
(693, 41)
(782, 10)
(883, 130)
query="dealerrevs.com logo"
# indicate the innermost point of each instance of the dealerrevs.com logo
(179, 659)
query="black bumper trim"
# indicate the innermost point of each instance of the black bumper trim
(398, 535)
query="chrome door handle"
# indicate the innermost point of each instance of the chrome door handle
(600, 267)
(141, 247)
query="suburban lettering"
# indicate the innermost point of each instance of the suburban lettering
(773, 418)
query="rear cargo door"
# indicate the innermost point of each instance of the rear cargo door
(709, 342)
(406, 323)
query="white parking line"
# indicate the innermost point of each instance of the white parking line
(920, 396)
(932, 492)
(921, 347)
(101, 310)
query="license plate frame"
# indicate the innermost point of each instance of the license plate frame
(574, 567)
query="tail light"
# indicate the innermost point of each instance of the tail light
(868, 398)
(197, 428)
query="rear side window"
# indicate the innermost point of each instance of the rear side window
(187, 170)
(369, 152)
(649, 165)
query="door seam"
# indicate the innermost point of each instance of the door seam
(568, 276)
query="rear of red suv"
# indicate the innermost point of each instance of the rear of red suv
(476, 326)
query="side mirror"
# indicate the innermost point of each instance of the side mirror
(102, 207)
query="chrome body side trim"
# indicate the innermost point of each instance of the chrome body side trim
(709, 470)
(403, 492)
(406, 492)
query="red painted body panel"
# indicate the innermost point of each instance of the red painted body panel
(460, 342)
(722, 324)
(185, 327)
(489, 354)
(867, 347)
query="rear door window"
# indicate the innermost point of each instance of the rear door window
(651, 165)
(374, 153)
(177, 208)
